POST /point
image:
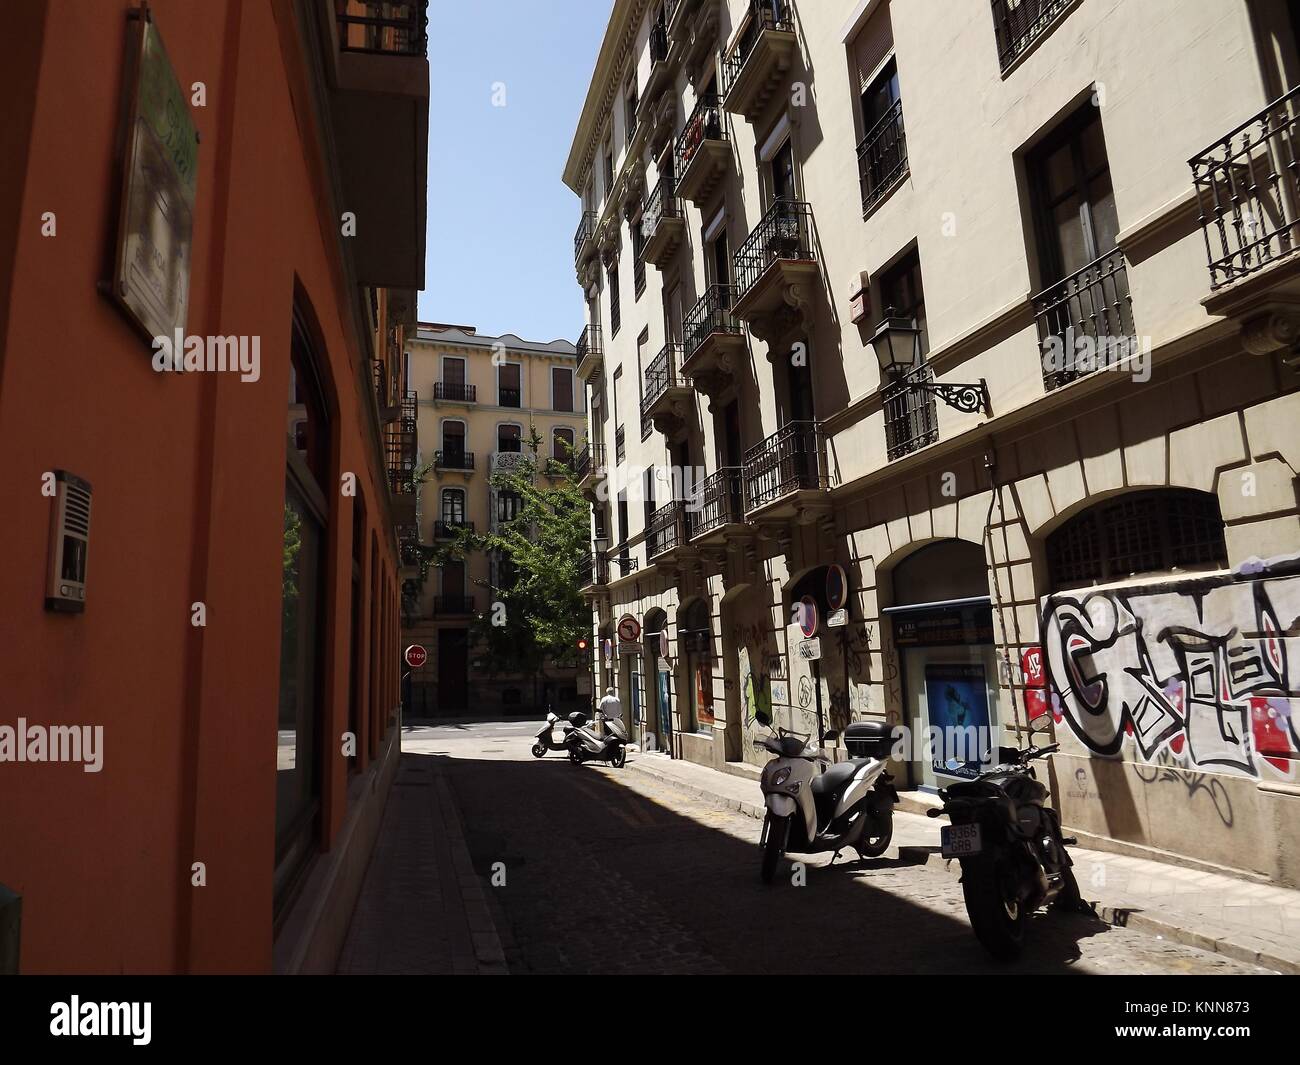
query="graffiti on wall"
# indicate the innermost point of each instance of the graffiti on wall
(1196, 671)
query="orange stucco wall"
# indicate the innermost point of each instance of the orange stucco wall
(188, 474)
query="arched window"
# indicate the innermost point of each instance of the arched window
(1164, 531)
(562, 444)
(453, 506)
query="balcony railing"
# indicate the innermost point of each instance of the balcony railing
(785, 232)
(911, 421)
(589, 459)
(787, 461)
(704, 124)
(588, 343)
(882, 156)
(711, 314)
(509, 460)
(596, 570)
(667, 529)
(453, 604)
(586, 230)
(455, 392)
(453, 459)
(663, 203)
(1017, 24)
(620, 449)
(1089, 314)
(660, 376)
(1248, 187)
(388, 28)
(508, 397)
(447, 530)
(763, 15)
(722, 501)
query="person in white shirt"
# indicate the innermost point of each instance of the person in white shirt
(610, 706)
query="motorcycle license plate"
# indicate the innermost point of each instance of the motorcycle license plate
(959, 841)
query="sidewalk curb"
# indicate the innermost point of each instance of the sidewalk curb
(1212, 940)
(488, 953)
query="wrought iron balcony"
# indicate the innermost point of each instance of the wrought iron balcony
(664, 391)
(791, 460)
(911, 418)
(596, 569)
(454, 392)
(759, 58)
(509, 460)
(584, 244)
(1085, 321)
(1017, 24)
(620, 449)
(714, 337)
(589, 461)
(508, 397)
(662, 224)
(388, 28)
(453, 459)
(1248, 187)
(882, 157)
(590, 353)
(722, 503)
(777, 253)
(447, 530)
(667, 530)
(453, 605)
(703, 152)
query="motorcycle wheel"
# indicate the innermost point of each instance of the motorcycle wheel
(539, 749)
(575, 756)
(1069, 898)
(773, 845)
(998, 922)
(875, 846)
(619, 759)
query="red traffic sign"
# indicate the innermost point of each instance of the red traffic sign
(808, 617)
(629, 629)
(416, 656)
(837, 587)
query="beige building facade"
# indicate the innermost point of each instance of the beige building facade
(915, 319)
(479, 400)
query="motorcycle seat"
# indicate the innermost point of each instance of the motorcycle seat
(835, 777)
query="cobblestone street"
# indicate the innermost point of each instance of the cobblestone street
(620, 872)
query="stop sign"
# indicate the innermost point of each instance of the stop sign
(416, 656)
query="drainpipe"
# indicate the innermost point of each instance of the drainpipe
(991, 464)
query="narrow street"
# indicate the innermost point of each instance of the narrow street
(615, 871)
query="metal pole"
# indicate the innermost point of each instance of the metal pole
(817, 689)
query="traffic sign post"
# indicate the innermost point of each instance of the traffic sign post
(416, 656)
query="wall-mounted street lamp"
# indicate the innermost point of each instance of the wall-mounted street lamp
(898, 350)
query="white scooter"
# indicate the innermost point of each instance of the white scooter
(545, 738)
(586, 746)
(814, 806)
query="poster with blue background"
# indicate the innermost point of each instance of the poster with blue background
(957, 699)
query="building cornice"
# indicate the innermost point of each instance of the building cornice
(606, 81)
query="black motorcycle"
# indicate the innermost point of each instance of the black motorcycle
(1009, 842)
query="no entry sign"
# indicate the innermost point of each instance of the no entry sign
(808, 616)
(416, 656)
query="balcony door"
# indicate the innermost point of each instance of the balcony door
(453, 444)
(782, 173)
(453, 375)
(453, 506)
(510, 439)
(673, 315)
(509, 385)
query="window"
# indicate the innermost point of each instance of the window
(882, 155)
(453, 440)
(561, 388)
(510, 438)
(609, 169)
(1169, 530)
(631, 110)
(1085, 302)
(911, 418)
(615, 320)
(638, 252)
(509, 386)
(453, 506)
(302, 621)
(1017, 24)
(562, 444)
(507, 505)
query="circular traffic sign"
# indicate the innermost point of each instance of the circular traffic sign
(808, 617)
(663, 642)
(629, 629)
(416, 656)
(837, 586)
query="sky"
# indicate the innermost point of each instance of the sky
(500, 219)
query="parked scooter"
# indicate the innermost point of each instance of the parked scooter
(1009, 842)
(586, 745)
(814, 806)
(546, 739)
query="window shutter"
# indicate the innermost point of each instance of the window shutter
(872, 44)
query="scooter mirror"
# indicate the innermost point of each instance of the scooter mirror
(1041, 722)
(763, 718)
(830, 737)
